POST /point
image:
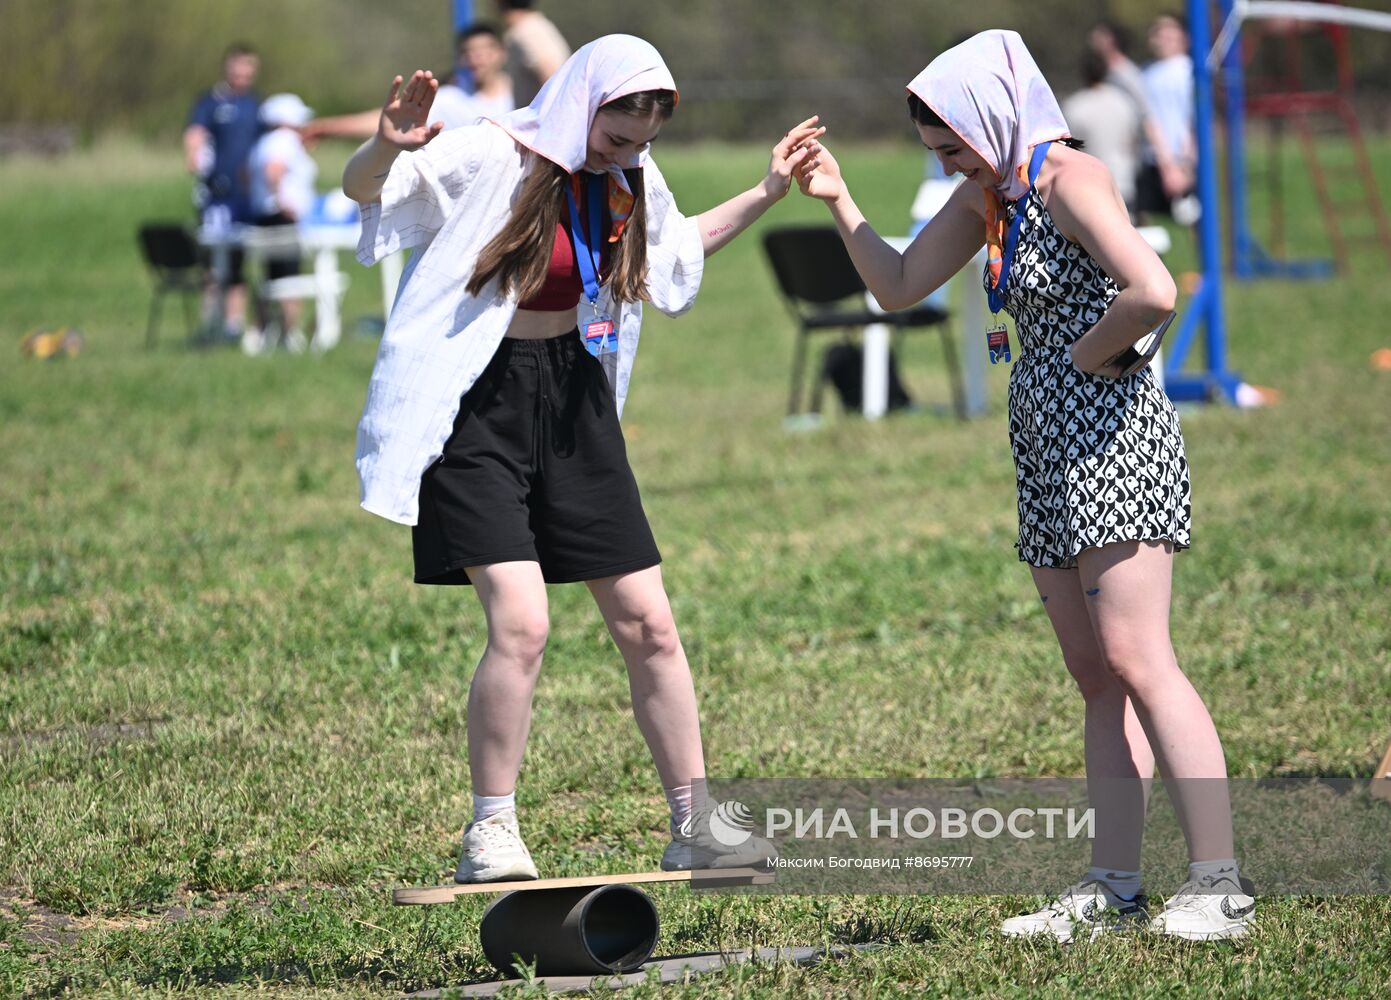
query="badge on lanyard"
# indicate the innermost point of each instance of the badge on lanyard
(997, 337)
(997, 343)
(598, 331)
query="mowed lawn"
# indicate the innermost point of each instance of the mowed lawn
(229, 724)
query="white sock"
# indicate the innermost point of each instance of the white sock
(1124, 884)
(490, 805)
(1221, 868)
(679, 801)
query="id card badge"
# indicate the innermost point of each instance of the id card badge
(598, 331)
(997, 344)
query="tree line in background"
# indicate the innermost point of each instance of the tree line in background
(746, 69)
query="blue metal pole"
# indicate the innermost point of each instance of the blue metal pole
(463, 17)
(1206, 307)
(1201, 34)
(1243, 250)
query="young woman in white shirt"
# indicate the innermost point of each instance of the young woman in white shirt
(491, 422)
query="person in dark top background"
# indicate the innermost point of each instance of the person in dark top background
(222, 128)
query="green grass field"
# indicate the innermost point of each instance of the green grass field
(231, 724)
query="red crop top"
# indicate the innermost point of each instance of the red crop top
(563, 286)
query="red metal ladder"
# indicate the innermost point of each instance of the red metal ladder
(1315, 115)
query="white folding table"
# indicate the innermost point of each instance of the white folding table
(323, 242)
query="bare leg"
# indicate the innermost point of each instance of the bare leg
(1120, 764)
(513, 595)
(1127, 589)
(293, 310)
(230, 301)
(236, 305)
(638, 614)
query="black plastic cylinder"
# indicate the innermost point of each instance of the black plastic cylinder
(570, 932)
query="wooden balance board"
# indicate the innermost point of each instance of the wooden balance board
(600, 925)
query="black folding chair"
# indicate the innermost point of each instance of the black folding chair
(177, 263)
(816, 275)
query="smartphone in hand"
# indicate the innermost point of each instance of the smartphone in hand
(1140, 353)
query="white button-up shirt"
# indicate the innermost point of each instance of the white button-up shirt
(448, 200)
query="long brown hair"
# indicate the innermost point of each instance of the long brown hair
(521, 253)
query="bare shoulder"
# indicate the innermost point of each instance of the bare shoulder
(1078, 175)
(1081, 188)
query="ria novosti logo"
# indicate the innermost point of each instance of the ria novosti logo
(730, 823)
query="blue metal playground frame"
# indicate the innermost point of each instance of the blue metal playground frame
(463, 14)
(1249, 258)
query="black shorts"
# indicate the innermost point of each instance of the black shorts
(279, 267)
(535, 470)
(1150, 196)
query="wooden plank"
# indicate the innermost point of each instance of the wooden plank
(430, 894)
(1381, 781)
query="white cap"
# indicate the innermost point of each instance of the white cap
(285, 109)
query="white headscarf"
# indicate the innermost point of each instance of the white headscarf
(990, 92)
(557, 122)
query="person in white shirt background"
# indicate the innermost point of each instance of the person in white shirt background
(282, 176)
(489, 92)
(491, 420)
(481, 53)
(1169, 172)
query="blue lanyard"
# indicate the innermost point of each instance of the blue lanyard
(588, 248)
(996, 295)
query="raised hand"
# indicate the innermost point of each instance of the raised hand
(794, 151)
(405, 122)
(819, 175)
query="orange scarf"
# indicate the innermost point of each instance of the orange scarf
(995, 227)
(620, 203)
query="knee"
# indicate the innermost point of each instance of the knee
(1092, 676)
(651, 634)
(1135, 669)
(521, 638)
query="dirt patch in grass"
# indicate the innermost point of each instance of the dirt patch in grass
(103, 734)
(48, 930)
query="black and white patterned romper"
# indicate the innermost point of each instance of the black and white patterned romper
(1096, 460)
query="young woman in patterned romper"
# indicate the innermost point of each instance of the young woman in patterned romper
(1102, 477)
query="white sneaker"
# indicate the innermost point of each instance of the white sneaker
(253, 342)
(493, 851)
(694, 847)
(1087, 909)
(1209, 909)
(296, 342)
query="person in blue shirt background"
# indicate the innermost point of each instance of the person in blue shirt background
(222, 128)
